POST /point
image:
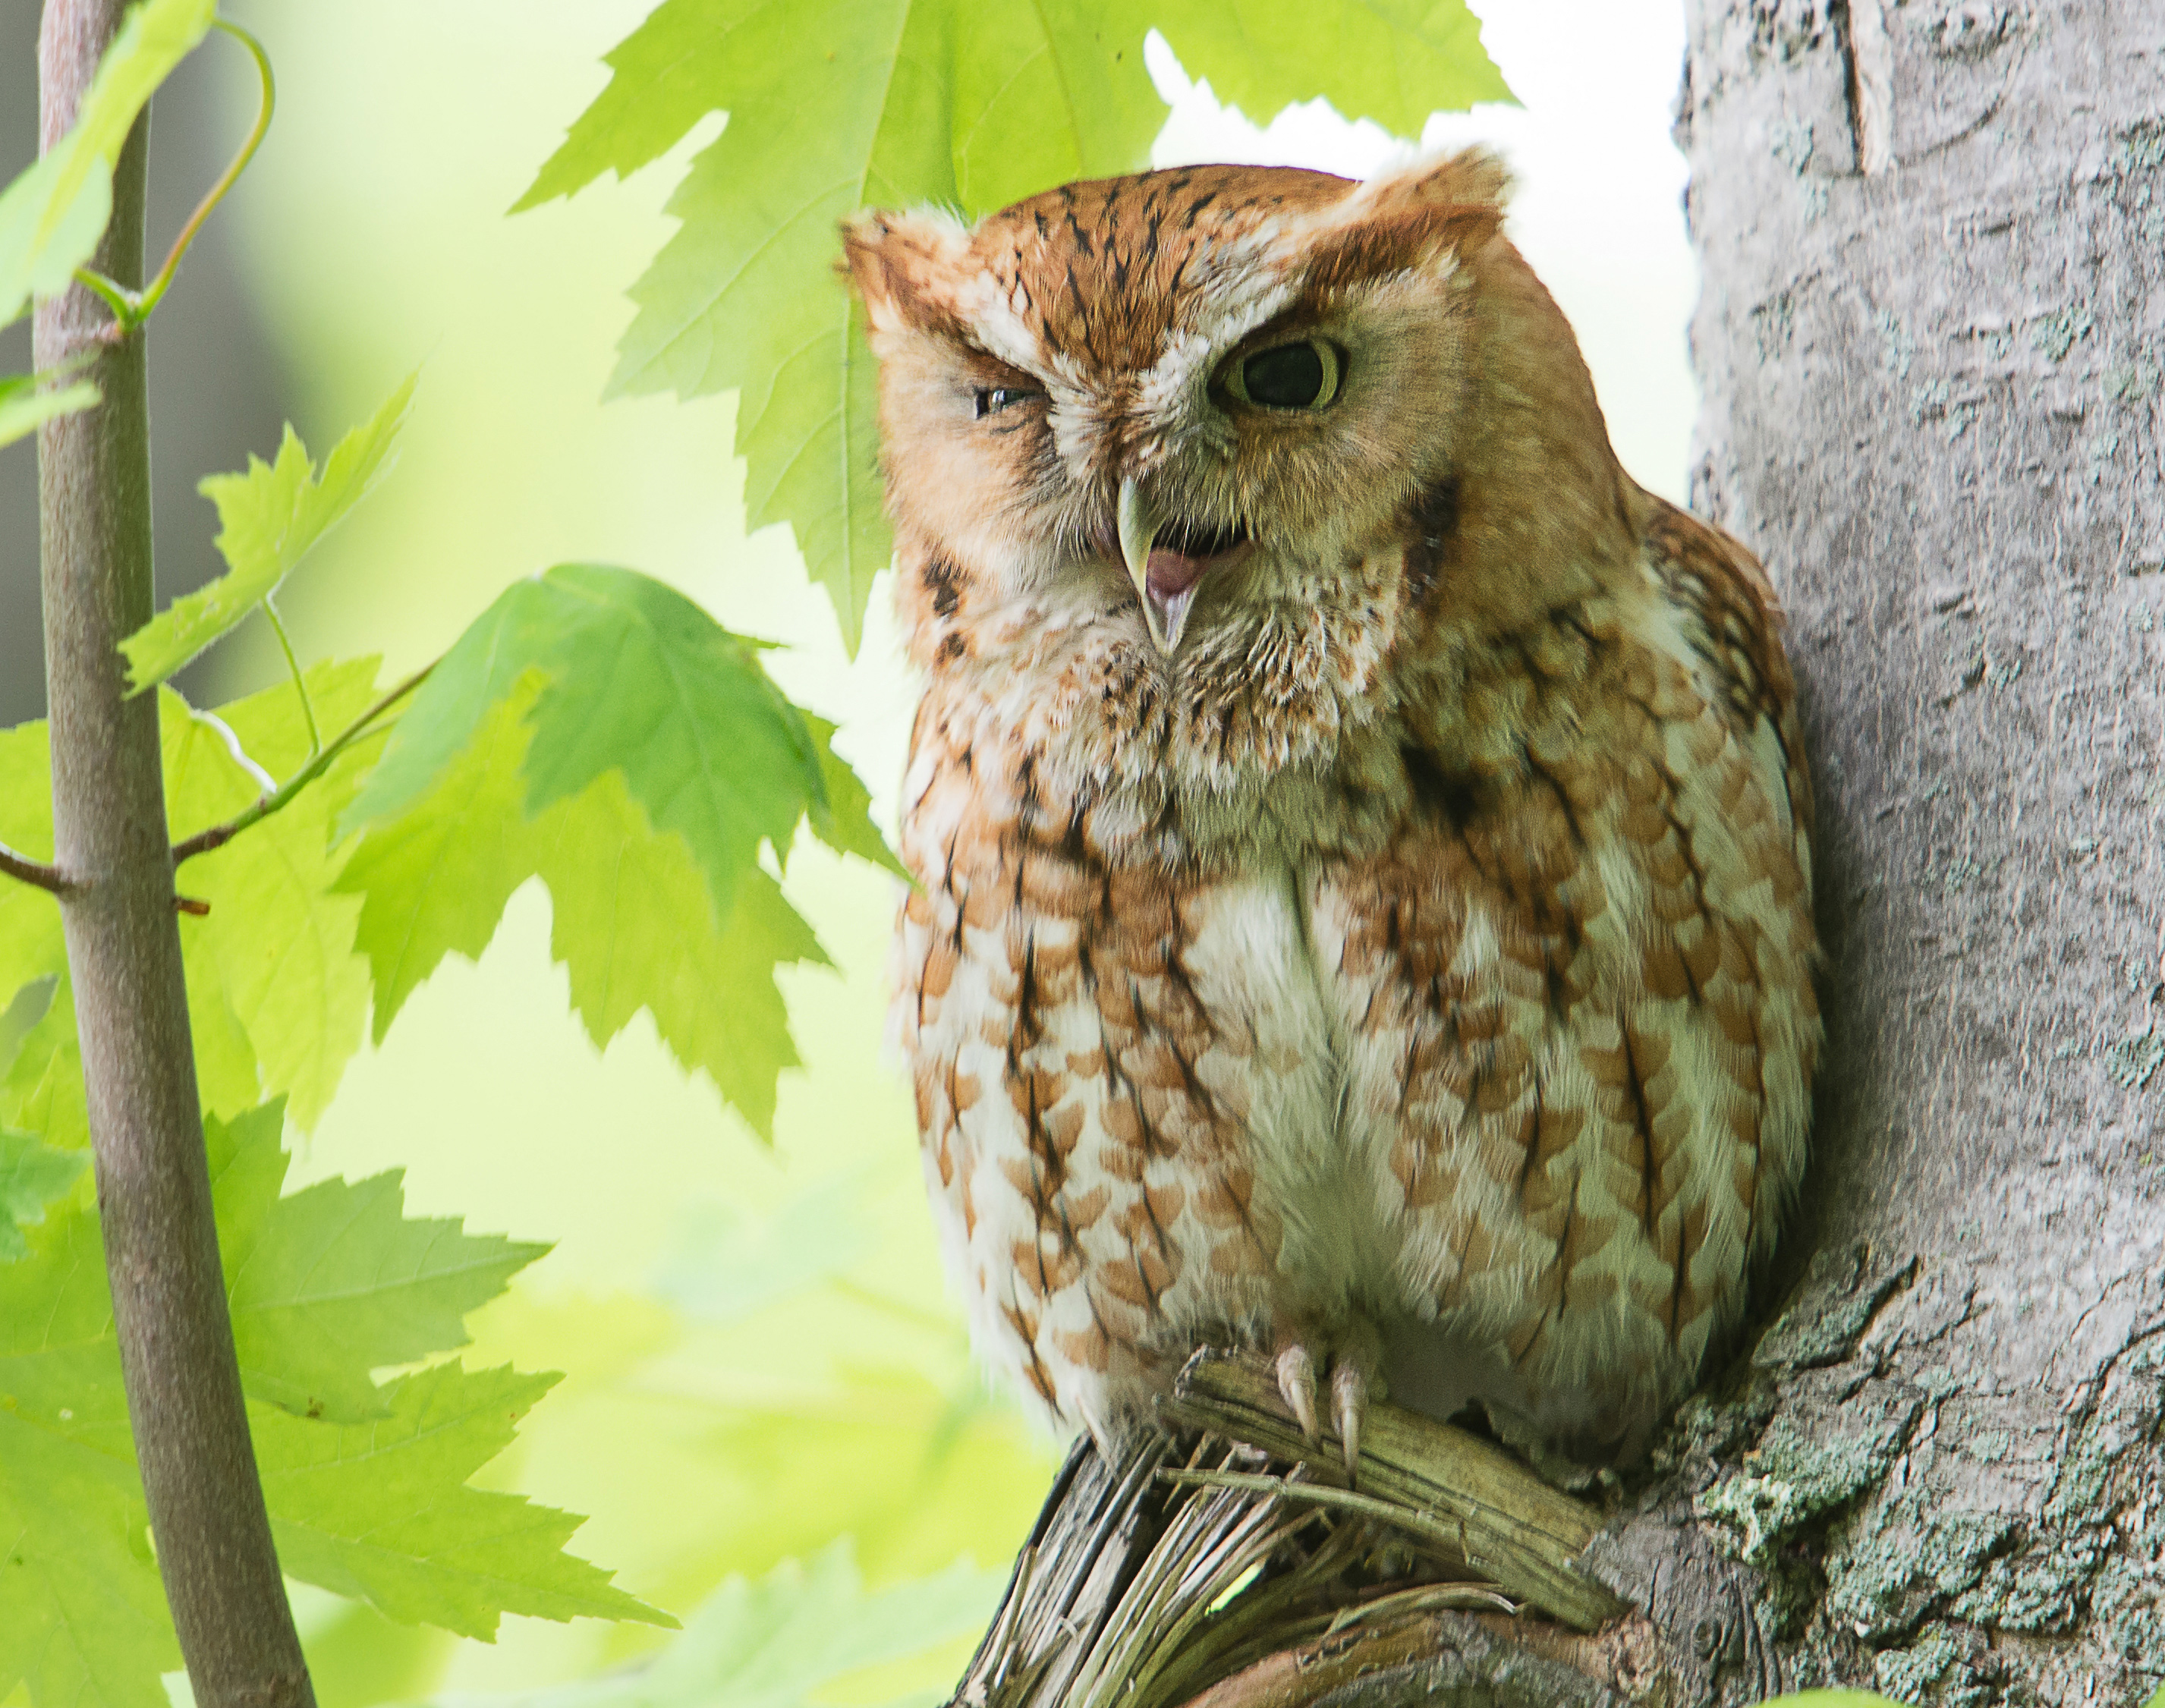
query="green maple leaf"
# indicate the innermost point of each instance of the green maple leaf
(434, 872)
(52, 215)
(278, 995)
(635, 921)
(82, 1618)
(42, 1094)
(32, 1175)
(41, 1076)
(843, 820)
(776, 1643)
(637, 679)
(598, 729)
(633, 925)
(324, 1284)
(334, 1281)
(380, 1512)
(974, 103)
(271, 516)
(30, 946)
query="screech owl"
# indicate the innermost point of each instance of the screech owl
(1362, 838)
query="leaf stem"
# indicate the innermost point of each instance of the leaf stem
(116, 298)
(35, 872)
(218, 835)
(131, 308)
(300, 681)
(217, 192)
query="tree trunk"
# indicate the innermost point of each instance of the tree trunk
(1930, 341)
(183, 1383)
(1931, 338)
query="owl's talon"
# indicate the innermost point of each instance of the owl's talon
(1297, 1382)
(1348, 1405)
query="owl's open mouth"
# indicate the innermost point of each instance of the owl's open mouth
(1183, 550)
(1165, 560)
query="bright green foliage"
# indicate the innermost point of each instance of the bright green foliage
(23, 406)
(600, 730)
(277, 995)
(635, 921)
(41, 1074)
(32, 1175)
(635, 930)
(638, 679)
(435, 877)
(836, 105)
(334, 1281)
(273, 972)
(271, 516)
(325, 1284)
(82, 1619)
(843, 820)
(776, 1642)
(52, 216)
(380, 1512)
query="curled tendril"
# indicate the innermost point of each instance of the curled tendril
(131, 308)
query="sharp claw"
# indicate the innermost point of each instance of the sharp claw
(1297, 1382)
(1349, 1405)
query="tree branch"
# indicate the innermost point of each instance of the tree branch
(1223, 1552)
(185, 1404)
(218, 835)
(1505, 1521)
(25, 870)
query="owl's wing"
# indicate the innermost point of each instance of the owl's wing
(1579, 983)
(1728, 616)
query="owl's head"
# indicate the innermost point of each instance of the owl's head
(1195, 403)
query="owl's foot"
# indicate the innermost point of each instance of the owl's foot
(1355, 1375)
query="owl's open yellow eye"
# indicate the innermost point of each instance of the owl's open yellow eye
(1302, 376)
(991, 401)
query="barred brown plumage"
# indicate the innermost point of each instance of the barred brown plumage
(1362, 838)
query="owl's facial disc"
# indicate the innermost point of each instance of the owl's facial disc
(1165, 561)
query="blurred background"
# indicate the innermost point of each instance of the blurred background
(758, 1349)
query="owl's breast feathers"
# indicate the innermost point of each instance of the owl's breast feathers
(1420, 942)
(1517, 1070)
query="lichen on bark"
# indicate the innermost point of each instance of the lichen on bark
(1932, 235)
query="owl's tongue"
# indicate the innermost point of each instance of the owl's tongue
(1165, 562)
(1172, 573)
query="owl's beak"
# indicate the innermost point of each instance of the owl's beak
(1138, 524)
(1166, 612)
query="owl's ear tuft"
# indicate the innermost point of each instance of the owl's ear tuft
(1426, 213)
(1473, 178)
(906, 266)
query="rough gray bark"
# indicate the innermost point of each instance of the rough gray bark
(1930, 342)
(183, 1384)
